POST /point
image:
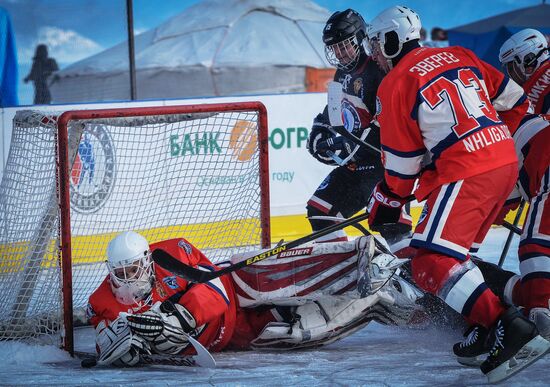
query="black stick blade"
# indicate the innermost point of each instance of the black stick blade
(166, 261)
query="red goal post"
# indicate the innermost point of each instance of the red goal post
(194, 171)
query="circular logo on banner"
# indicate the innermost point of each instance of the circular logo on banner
(243, 140)
(93, 173)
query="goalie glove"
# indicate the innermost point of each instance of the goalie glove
(117, 345)
(165, 326)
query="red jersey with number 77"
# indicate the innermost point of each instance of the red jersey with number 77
(443, 114)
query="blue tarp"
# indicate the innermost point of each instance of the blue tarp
(485, 37)
(8, 62)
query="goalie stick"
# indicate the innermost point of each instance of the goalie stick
(203, 358)
(166, 261)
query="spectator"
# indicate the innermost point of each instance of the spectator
(423, 36)
(42, 68)
(438, 38)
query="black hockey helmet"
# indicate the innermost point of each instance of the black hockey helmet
(343, 37)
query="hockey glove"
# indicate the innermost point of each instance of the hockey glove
(384, 207)
(166, 326)
(337, 145)
(117, 345)
(319, 134)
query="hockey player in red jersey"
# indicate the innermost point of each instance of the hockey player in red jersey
(527, 61)
(346, 189)
(445, 117)
(531, 289)
(297, 300)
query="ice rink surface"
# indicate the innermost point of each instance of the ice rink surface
(374, 356)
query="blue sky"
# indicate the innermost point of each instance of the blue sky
(75, 29)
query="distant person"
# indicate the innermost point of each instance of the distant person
(438, 38)
(423, 36)
(42, 68)
(8, 62)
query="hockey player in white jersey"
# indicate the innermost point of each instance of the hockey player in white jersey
(346, 189)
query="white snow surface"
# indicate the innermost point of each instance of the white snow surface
(375, 356)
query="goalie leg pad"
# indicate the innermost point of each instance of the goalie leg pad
(324, 268)
(319, 323)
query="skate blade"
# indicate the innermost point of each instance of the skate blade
(527, 355)
(471, 361)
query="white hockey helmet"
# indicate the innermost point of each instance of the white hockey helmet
(523, 53)
(393, 27)
(130, 268)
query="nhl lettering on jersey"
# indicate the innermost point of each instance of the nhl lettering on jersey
(485, 137)
(93, 172)
(295, 252)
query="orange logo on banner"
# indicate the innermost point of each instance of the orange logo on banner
(244, 140)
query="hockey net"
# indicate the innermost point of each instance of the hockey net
(74, 180)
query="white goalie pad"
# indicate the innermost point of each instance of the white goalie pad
(320, 322)
(332, 318)
(298, 275)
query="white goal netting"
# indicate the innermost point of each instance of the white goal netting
(198, 175)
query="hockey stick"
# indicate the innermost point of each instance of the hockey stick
(378, 244)
(334, 106)
(512, 228)
(511, 233)
(203, 358)
(358, 226)
(166, 261)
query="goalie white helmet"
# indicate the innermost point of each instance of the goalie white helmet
(523, 53)
(130, 268)
(389, 31)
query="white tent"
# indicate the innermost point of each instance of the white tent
(214, 48)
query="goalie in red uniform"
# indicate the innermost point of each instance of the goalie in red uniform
(297, 300)
(437, 109)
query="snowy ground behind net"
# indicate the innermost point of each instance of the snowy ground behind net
(374, 356)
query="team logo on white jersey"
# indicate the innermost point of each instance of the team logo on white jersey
(93, 172)
(350, 116)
